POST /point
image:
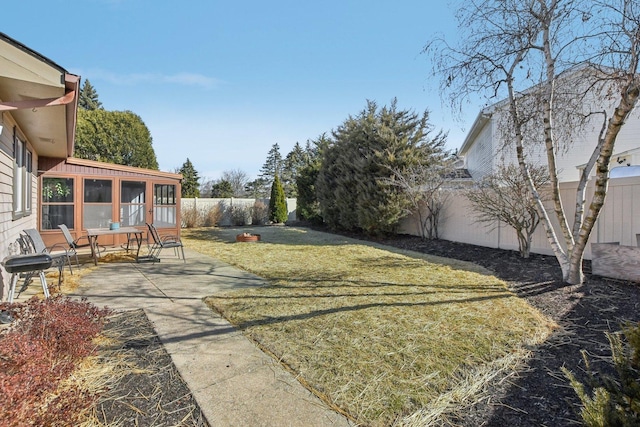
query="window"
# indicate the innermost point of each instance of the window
(98, 206)
(22, 176)
(57, 203)
(164, 205)
(132, 198)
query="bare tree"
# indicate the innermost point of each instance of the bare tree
(238, 180)
(504, 197)
(423, 187)
(528, 52)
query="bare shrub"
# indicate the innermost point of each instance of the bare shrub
(259, 213)
(190, 216)
(212, 215)
(240, 215)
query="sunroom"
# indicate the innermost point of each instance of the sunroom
(85, 194)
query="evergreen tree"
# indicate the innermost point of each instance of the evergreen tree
(277, 203)
(354, 185)
(257, 189)
(308, 207)
(88, 99)
(295, 160)
(273, 165)
(190, 184)
(222, 189)
(118, 137)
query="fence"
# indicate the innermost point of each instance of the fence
(619, 220)
(227, 207)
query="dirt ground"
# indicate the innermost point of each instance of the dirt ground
(538, 395)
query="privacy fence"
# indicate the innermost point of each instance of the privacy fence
(619, 220)
(229, 211)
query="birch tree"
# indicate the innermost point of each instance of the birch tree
(546, 58)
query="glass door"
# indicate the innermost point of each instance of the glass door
(132, 203)
(164, 205)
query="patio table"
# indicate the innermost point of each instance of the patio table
(94, 233)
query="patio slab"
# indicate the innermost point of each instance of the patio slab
(231, 379)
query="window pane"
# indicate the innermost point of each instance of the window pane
(18, 177)
(164, 194)
(132, 192)
(97, 191)
(57, 190)
(54, 215)
(28, 181)
(164, 216)
(96, 216)
(132, 215)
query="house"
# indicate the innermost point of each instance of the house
(38, 104)
(483, 151)
(42, 184)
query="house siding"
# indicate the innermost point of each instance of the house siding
(480, 157)
(10, 228)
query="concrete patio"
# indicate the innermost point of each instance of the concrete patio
(234, 382)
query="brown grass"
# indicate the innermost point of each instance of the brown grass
(384, 336)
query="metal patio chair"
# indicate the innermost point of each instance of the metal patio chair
(163, 242)
(58, 253)
(73, 244)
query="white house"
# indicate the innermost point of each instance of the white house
(484, 150)
(38, 104)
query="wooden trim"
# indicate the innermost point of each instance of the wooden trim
(135, 170)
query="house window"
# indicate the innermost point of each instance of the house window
(57, 203)
(164, 205)
(132, 207)
(97, 203)
(22, 176)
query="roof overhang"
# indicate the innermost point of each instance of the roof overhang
(41, 96)
(483, 118)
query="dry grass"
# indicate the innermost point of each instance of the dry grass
(384, 336)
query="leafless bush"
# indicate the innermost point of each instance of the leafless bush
(259, 213)
(239, 215)
(212, 215)
(190, 216)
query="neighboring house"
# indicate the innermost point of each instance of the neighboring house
(38, 104)
(483, 151)
(41, 184)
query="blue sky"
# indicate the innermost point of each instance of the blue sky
(221, 82)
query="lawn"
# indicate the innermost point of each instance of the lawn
(382, 335)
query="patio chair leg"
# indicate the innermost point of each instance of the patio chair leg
(45, 288)
(12, 288)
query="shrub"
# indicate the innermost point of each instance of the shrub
(40, 350)
(612, 399)
(277, 203)
(190, 217)
(259, 213)
(240, 215)
(212, 216)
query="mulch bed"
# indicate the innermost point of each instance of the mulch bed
(538, 395)
(153, 393)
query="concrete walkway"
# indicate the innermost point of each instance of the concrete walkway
(234, 382)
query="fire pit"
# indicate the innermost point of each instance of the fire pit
(247, 237)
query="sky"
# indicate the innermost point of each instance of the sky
(220, 82)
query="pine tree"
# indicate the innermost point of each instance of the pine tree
(190, 185)
(273, 165)
(277, 203)
(88, 99)
(291, 166)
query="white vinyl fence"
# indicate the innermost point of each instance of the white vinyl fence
(619, 220)
(226, 206)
